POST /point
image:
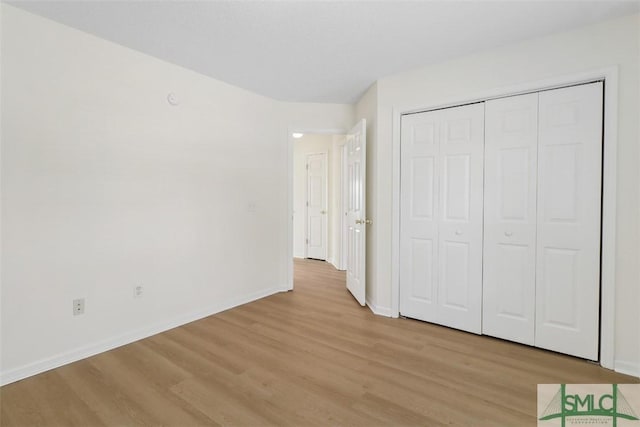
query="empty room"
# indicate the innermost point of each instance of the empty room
(314, 213)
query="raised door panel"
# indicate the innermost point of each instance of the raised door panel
(422, 270)
(457, 187)
(514, 302)
(508, 309)
(569, 218)
(455, 274)
(422, 176)
(515, 169)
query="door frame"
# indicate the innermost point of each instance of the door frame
(291, 129)
(326, 201)
(609, 184)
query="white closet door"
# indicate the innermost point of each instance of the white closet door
(460, 214)
(441, 208)
(569, 206)
(420, 148)
(511, 141)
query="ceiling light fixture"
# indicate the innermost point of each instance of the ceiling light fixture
(297, 135)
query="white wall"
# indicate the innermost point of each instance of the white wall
(316, 143)
(610, 43)
(105, 186)
(318, 118)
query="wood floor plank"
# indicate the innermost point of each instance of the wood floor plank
(112, 406)
(311, 357)
(121, 376)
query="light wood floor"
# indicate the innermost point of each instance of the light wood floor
(308, 357)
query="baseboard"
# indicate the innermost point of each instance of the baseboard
(335, 265)
(379, 311)
(80, 353)
(628, 368)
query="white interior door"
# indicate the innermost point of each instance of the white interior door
(316, 240)
(441, 216)
(569, 210)
(509, 282)
(356, 213)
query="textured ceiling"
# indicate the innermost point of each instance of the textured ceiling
(320, 51)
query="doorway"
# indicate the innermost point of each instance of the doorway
(344, 198)
(317, 197)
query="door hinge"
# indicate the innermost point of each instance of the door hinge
(307, 166)
(307, 241)
(307, 204)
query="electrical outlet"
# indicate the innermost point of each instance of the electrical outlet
(78, 306)
(137, 291)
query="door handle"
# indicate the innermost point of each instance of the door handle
(323, 212)
(458, 232)
(364, 221)
(508, 233)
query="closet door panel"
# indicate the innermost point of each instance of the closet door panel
(510, 218)
(460, 217)
(420, 139)
(569, 215)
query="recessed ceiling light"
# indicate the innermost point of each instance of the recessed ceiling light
(297, 135)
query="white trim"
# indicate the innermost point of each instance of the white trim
(628, 368)
(395, 214)
(609, 197)
(377, 310)
(290, 141)
(333, 263)
(609, 225)
(83, 352)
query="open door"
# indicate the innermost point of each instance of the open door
(355, 210)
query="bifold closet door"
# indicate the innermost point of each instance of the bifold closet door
(568, 218)
(441, 216)
(509, 282)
